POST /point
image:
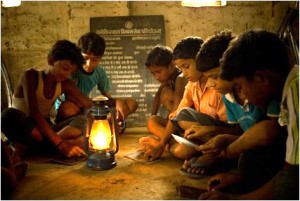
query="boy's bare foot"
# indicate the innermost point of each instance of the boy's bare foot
(192, 166)
(149, 141)
(207, 164)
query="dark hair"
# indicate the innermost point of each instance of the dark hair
(92, 43)
(187, 48)
(252, 51)
(160, 55)
(66, 50)
(212, 50)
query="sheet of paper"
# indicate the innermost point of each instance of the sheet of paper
(68, 161)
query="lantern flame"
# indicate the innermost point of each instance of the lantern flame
(100, 137)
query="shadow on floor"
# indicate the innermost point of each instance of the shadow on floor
(129, 180)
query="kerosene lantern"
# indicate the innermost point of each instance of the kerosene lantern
(101, 143)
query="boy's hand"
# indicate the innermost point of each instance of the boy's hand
(214, 145)
(122, 109)
(153, 152)
(223, 180)
(70, 150)
(198, 131)
(215, 183)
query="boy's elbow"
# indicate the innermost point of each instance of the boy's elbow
(272, 131)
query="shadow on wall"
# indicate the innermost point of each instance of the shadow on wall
(289, 32)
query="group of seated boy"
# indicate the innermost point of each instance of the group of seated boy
(239, 105)
(234, 96)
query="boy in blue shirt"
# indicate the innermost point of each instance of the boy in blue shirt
(92, 48)
(257, 63)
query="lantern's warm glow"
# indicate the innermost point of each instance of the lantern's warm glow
(100, 137)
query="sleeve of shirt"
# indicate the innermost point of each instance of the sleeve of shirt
(229, 111)
(186, 101)
(104, 84)
(292, 104)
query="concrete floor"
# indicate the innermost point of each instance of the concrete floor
(129, 180)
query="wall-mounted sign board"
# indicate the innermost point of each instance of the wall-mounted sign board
(128, 41)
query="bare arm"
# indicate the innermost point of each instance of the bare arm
(261, 134)
(124, 106)
(266, 192)
(71, 90)
(29, 81)
(164, 96)
(156, 103)
(195, 130)
(217, 143)
(167, 98)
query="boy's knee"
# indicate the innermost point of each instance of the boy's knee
(152, 119)
(11, 117)
(67, 109)
(178, 152)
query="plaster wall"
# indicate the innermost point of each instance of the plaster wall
(28, 31)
